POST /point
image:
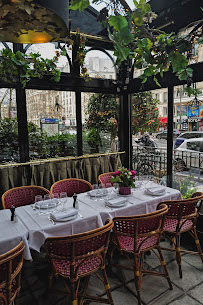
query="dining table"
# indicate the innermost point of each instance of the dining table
(12, 233)
(136, 203)
(41, 226)
(33, 227)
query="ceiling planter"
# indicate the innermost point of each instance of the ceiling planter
(33, 21)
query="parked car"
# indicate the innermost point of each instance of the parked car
(189, 154)
(187, 135)
(164, 133)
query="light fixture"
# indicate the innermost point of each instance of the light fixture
(194, 102)
(34, 21)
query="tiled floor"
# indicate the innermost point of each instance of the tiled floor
(155, 290)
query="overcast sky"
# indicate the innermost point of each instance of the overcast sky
(100, 6)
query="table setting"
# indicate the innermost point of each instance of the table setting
(61, 220)
(59, 215)
(142, 195)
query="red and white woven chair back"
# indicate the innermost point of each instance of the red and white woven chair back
(10, 268)
(141, 232)
(182, 208)
(105, 178)
(85, 251)
(71, 186)
(23, 195)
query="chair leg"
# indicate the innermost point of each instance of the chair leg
(199, 249)
(84, 290)
(107, 287)
(74, 300)
(163, 263)
(178, 255)
(137, 276)
(51, 275)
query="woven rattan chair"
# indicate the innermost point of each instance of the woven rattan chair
(182, 217)
(77, 256)
(71, 186)
(23, 195)
(3, 300)
(135, 235)
(10, 274)
(105, 178)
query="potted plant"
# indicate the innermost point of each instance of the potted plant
(125, 178)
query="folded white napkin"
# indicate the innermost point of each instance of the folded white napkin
(97, 193)
(157, 190)
(65, 214)
(116, 202)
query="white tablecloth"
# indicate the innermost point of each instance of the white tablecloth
(33, 229)
(40, 227)
(12, 233)
(137, 203)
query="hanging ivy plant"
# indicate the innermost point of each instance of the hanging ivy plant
(81, 54)
(152, 50)
(22, 67)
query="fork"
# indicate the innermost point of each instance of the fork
(53, 222)
(108, 207)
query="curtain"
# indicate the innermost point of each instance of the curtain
(46, 173)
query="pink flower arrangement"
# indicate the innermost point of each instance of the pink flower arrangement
(124, 177)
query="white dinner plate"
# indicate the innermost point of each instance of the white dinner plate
(43, 206)
(65, 219)
(101, 193)
(119, 205)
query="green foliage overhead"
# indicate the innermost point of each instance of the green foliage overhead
(152, 50)
(144, 113)
(22, 67)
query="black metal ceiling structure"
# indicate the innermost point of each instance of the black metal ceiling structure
(96, 37)
(173, 15)
(87, 22)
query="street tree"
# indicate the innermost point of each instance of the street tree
(102, 117)
(144, 113)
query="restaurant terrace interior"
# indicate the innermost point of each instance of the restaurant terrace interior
(94, 225)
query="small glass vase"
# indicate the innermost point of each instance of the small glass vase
(124, 190)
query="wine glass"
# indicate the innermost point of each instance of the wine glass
(47, 203)
(37, 199)
(95, 188)
(55, 196)
(63, 200)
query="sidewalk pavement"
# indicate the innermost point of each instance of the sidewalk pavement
(155, 290)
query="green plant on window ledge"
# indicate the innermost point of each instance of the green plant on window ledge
(22, 67)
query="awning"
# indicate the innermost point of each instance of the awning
(163, 120)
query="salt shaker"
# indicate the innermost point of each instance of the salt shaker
(12, 209)
(75, 202)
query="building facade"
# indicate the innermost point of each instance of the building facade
(188, 111)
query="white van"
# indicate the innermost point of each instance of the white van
(189, 154)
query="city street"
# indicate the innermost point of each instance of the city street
(162, 145)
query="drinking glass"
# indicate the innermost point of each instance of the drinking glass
(37, 199)
(145, 182)
(63, 200)
(95, 188)
(111, 192)
(56, 201)
(47, 203)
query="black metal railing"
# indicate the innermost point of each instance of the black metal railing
(148, 161)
